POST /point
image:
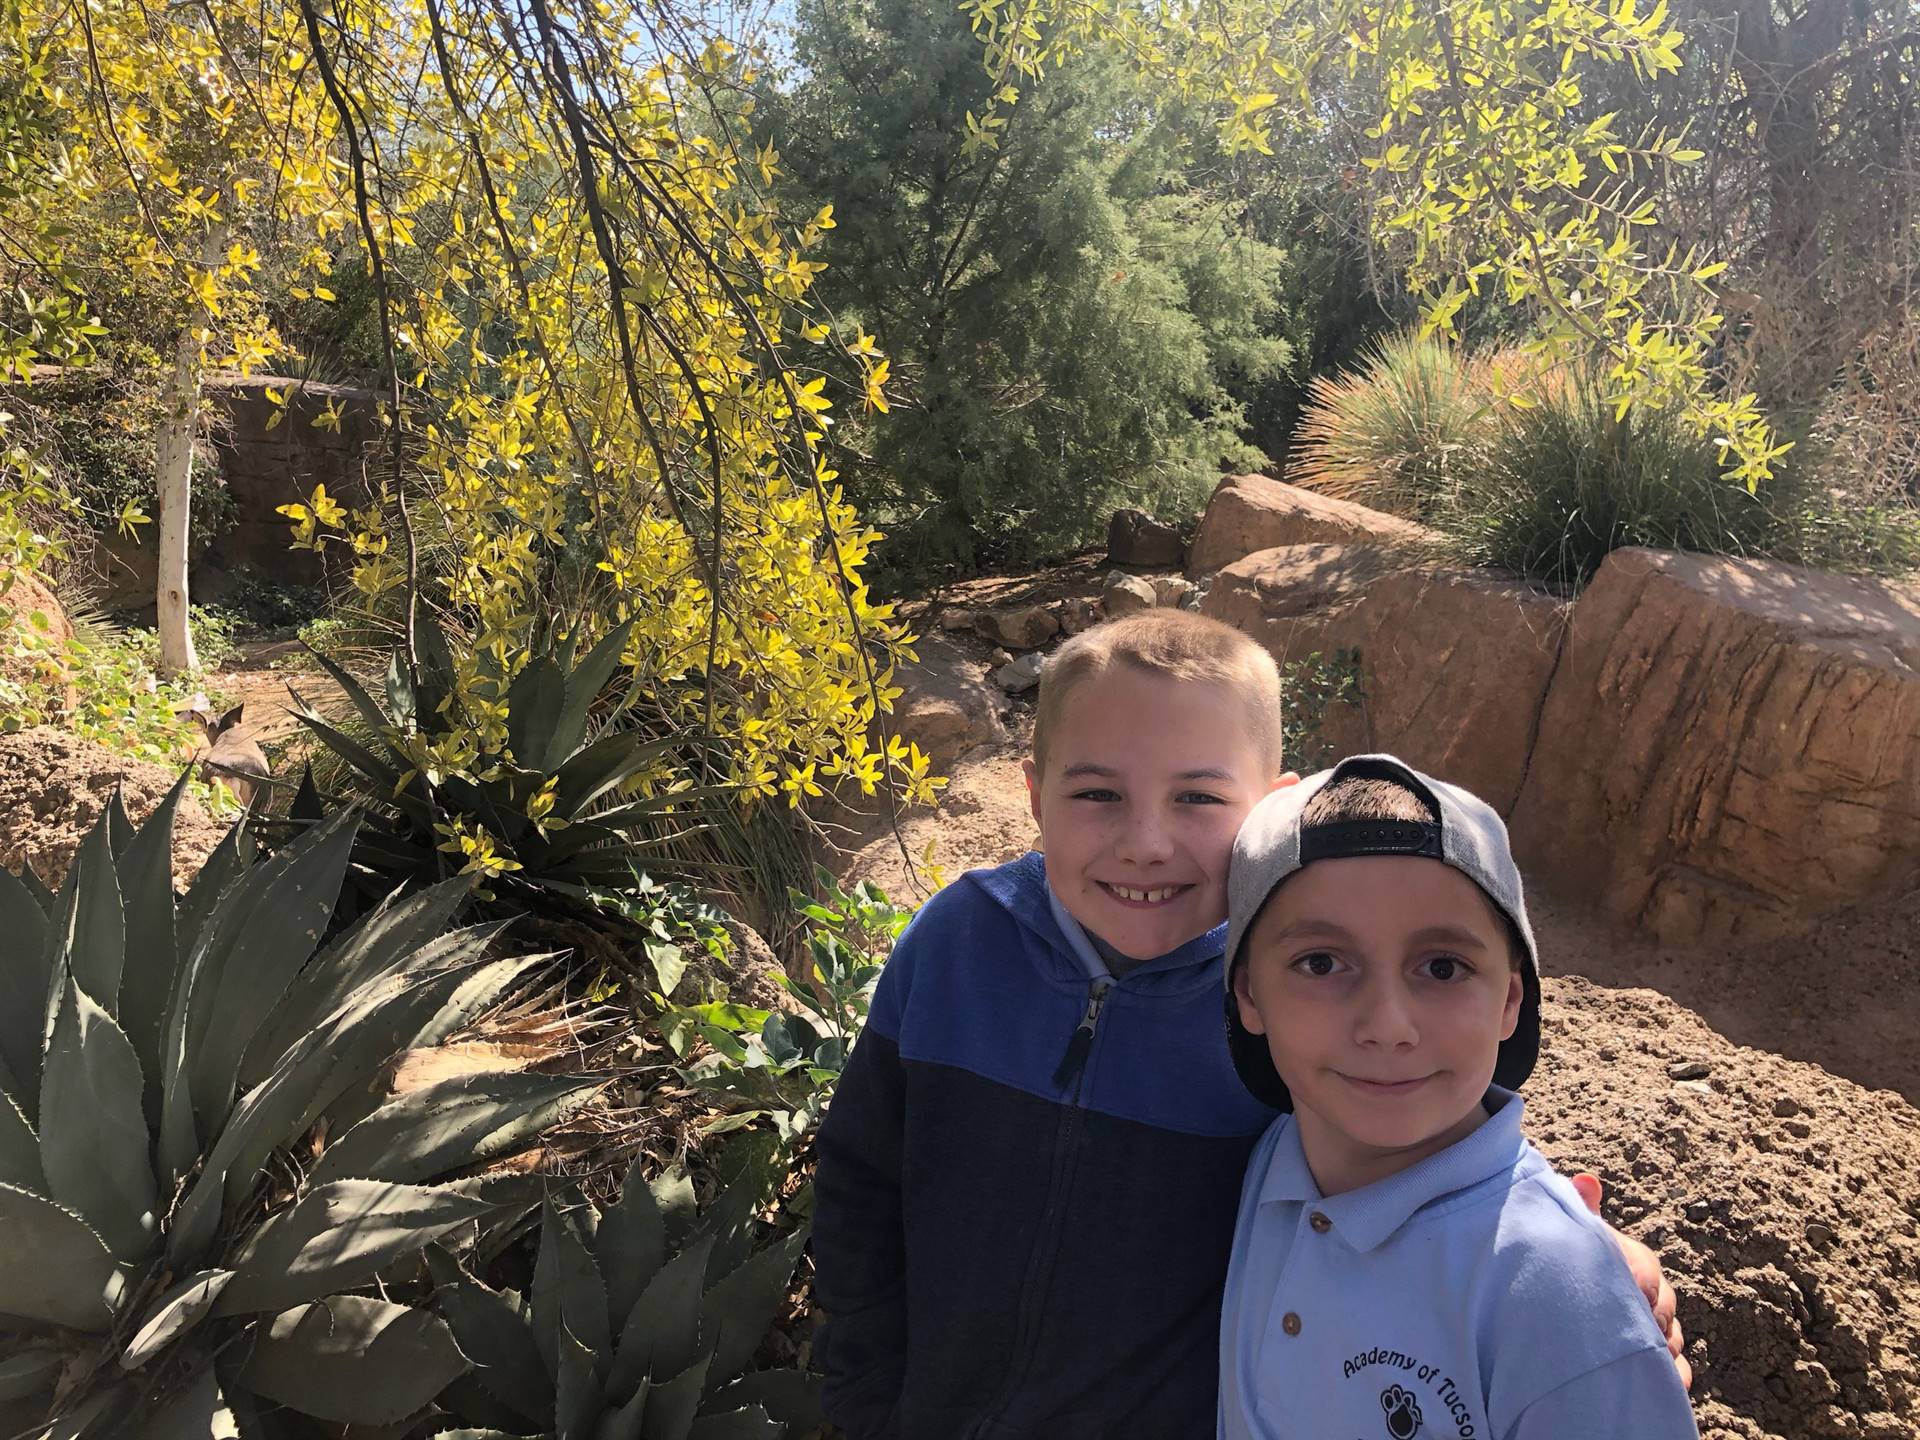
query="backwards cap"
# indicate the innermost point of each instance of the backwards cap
(1466, 833)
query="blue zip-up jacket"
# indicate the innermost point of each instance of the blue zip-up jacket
(1027, 1183)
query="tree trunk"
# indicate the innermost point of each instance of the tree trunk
(173, 481)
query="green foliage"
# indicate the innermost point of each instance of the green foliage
(1541, 473)
(642, 1320)
(1309, 687)
(164, 1064)
(1064, 316)
(674, 927)
(781, 1065)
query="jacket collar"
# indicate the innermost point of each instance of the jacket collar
(1370, 1216)
(1020, 888)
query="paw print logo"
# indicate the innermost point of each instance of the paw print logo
(1402, 1411)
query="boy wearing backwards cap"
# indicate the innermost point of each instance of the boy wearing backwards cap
(1404, 1263)
(1027, 1178)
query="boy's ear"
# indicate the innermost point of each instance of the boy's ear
(1510, 1017)
(1243, 997)
(1292, 777)
(1028, 769)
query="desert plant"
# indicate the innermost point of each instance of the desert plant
(641, 1321)
(537, 800)
(1396, 433)
(782, 1065)
(168, 1066)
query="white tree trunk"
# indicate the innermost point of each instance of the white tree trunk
(173, 477)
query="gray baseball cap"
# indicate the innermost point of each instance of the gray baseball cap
(1465, 832)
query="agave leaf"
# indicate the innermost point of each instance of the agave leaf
(352, 1360)
(672, 1405)
(19, 1149)
(747, 1165)
(401, 932)
(736, 1313)
(368, 708)
(578, 1396)
(200, 1413)
(307, 808)
(29, 1371)
(379, 770)
(604, 765)
(24, 983)
(568, 1293)
(673, 1196)
(229, 860)
(375, 1023)
(244, 979)
(459, 1122)
(54, 1269)
(400, 702)
(624, 1423)
(789, 1396)
(145, 866)
(498, 1340)
(93, 1133)
(339, 1235)
(662, 1333)
(95, 1415)
(750, 1423)
(474, 994)
(632, 1245)
(36, 887)
(119, 825)
(173, 1315)
(534, 702)
(95, 945)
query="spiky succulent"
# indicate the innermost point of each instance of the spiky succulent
(166, 1268)
(639, 1324)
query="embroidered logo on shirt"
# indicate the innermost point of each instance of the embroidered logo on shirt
(1402, 1412)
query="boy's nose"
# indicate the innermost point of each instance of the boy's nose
(1385, 1017)
(1146, 840)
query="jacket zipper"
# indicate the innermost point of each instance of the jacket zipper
(1071, 1077)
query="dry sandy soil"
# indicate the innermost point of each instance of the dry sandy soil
(1751, 1115)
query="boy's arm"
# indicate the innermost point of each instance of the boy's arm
(1649, 1277)
(1637, 1395)
(859, 1242)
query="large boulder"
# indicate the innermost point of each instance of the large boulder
(1250, 513)
(1023, 627)
(948, 707)
(1137, 540)
(1730, 748)
(1453, 665)
(1126, 594)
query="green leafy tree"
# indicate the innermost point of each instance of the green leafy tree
(1064, 314)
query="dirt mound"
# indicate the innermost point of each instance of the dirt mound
(53, 787)
(1781, 1200)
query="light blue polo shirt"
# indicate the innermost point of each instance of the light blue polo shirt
(1470, 1296)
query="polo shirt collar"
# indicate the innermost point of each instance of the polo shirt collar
(1368, 1217)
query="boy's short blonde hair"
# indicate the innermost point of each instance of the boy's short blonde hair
(1178, 645)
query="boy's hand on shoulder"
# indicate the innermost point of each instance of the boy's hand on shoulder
(1648, 1275)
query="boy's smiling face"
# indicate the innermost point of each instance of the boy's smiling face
(1146, 784)
(1384, 985)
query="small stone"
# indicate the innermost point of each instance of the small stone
(956, 620)
(1125, 595)
(1025, 627)
(1786, 1105)
(1171, 591)
(1018, 676)
(997, 657)
(1688, 1070)
(1699, 1210)
(1799, 1129)
(1608, 1052)
(1078, 614)
(1820, 1235)
(1698, 1087)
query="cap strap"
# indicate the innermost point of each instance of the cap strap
(1370, 837)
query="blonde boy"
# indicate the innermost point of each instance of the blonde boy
(1028, 1175)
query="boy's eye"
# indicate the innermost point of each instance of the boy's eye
(1445, 967)
(1318, 963)
(1106, 796)
(1200, 797)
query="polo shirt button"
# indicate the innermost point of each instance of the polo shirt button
(1321, 1224)
(1290, 1323)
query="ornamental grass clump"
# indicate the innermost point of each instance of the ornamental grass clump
(200, 1182)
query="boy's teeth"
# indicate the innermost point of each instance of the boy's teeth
(1151, 897)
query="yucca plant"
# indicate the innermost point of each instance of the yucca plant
(548, 806)
(640, 1324)
(168, 1067)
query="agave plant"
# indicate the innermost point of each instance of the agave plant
(549, 805)
(165, 1067)
(640, 1322)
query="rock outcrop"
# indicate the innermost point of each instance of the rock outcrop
(1137, 540)
(1454, 664)
(948, 707)
(1023, 627)
(1250, 513)
(1730, 748)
